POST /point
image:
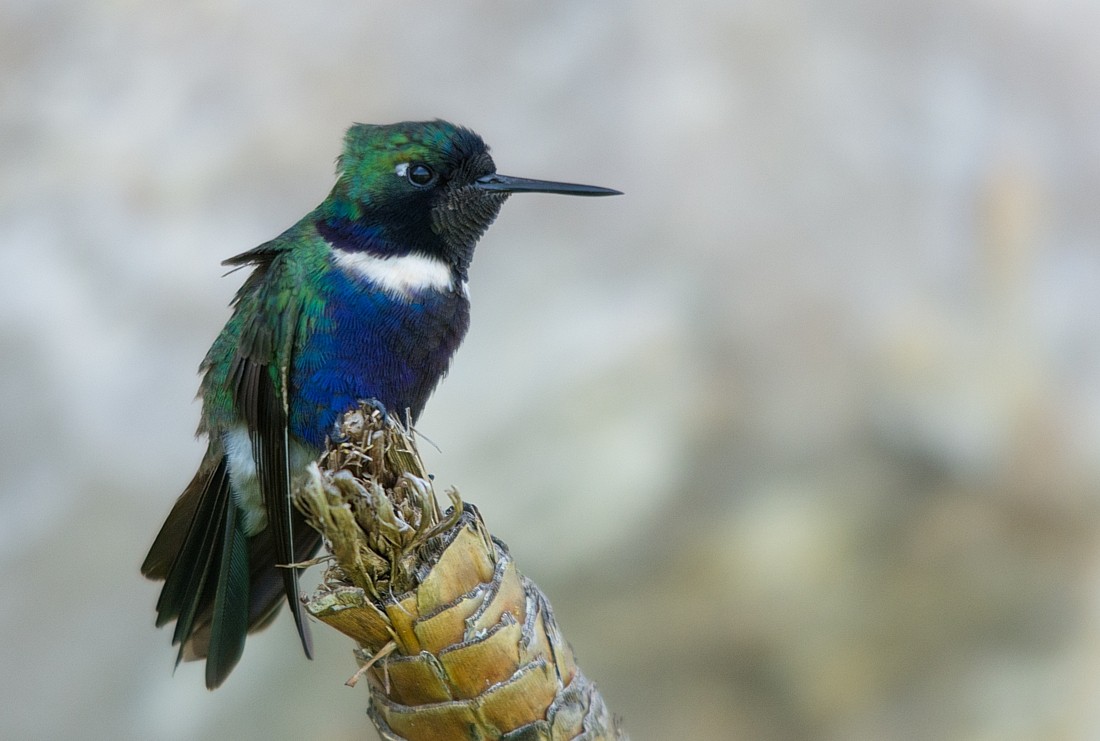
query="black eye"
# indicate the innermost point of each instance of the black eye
(420, 175)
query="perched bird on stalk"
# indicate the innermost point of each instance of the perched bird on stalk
(364, 298)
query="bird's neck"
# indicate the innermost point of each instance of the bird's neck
(358, 235)
(389, 233)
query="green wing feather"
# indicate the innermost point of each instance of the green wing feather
(259, 379)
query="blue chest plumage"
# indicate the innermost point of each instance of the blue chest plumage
(372, 344)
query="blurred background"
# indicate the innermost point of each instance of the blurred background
(801, 435)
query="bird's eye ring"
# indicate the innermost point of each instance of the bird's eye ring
(420, 175)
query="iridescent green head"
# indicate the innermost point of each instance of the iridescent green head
(420, 187)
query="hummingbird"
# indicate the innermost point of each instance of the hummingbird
(364, 298)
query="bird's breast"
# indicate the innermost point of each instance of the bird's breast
(387, 332)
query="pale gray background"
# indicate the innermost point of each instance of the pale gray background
(801, 435)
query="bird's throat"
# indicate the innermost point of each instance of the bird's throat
(402, 276)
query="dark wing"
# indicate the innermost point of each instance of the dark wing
(259, 377)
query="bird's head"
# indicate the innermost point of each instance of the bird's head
(428, 188)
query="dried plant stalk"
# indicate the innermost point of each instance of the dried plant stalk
(454, 641)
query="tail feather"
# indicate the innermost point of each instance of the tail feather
(219, 584)
(267, 590)
(229, 624)
(186, 575)
(170, 539)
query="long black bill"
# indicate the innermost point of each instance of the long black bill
(508, 184)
